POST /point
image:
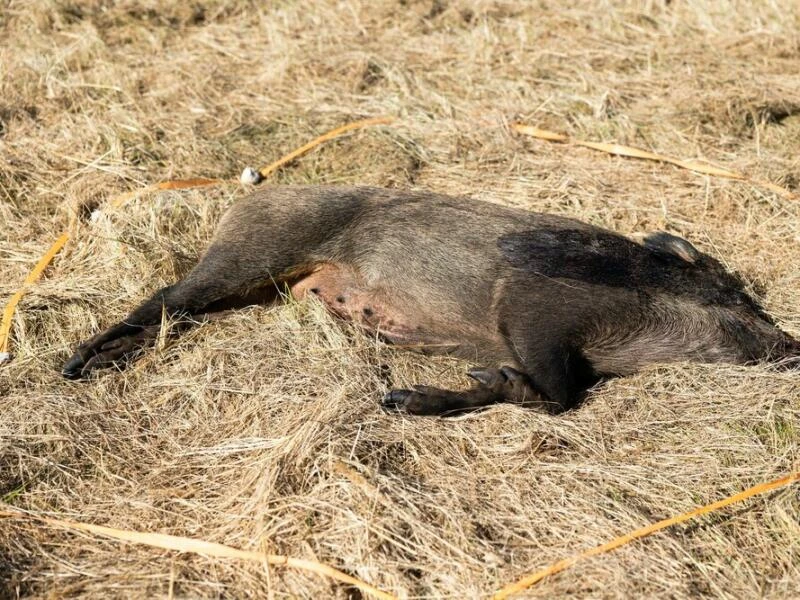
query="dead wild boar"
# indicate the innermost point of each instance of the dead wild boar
(547, 305)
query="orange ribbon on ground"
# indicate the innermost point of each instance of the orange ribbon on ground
(269, 169)
(184, 544)
(528, 581)
(33, 277)
(697, 166)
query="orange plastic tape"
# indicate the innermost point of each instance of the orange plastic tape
(204, 548)
(33, 276)
(629, 151)
(528, 581)
(269, 169)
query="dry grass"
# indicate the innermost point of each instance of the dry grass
(234, 433)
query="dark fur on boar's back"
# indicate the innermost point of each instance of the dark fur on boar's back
(547, 305)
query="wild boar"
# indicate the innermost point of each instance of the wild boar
(546, 305)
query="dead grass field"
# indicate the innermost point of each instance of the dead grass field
(233, 433)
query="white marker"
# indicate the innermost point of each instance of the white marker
(250, 176)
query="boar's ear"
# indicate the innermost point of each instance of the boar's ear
(666, 244)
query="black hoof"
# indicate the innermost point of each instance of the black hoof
(396, 399)
(73, 368)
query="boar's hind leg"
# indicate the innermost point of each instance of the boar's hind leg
(560, 374)
(554, 375)
(492, 385)
(206, 289)
(555, 379)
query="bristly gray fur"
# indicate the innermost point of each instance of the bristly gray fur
(558, 302)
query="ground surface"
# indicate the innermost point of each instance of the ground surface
(234, 433)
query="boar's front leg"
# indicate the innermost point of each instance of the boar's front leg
(209, 287)
(122, 342)
(492, 385)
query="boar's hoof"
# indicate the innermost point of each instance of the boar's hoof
(108, 350)
(506, 383)
(396, 399)
(426, 400)
(422, 400)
